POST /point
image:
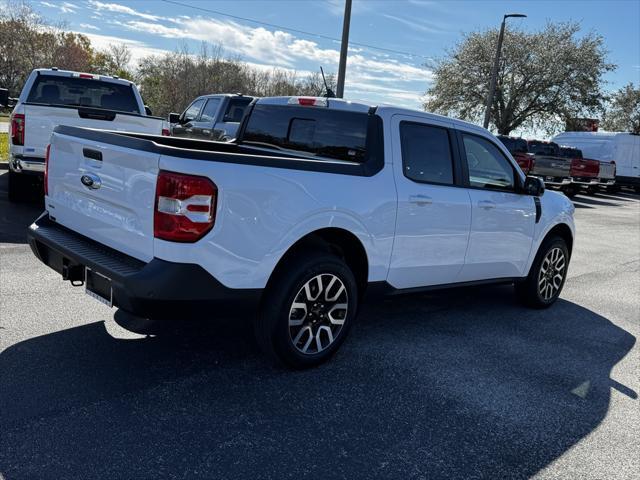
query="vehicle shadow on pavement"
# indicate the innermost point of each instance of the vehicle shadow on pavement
(462, 384)
(15, 218)
(594, 201)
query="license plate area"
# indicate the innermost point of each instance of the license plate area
(98, 286)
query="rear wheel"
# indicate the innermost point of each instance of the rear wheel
(570, 191)
(548, 273)
(307, 310)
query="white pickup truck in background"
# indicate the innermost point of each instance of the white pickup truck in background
(316, 202)
(52, 97)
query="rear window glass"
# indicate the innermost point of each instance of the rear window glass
(235, 109)
(568, 152)
(83, 92)
(514, 145)
(543, 148)
(316, 131)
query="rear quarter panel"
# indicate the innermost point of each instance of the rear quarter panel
(262, 211)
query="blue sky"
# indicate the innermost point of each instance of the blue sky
(421, 28)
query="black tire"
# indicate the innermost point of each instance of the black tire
(592, 190)
(18, 187)
(571, 191)
(528, 291)
(274, 334)
(140, 325)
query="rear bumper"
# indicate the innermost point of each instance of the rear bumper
(24, 164)
(587, 181)
(555, 181)
(607, 182)
(158, 289)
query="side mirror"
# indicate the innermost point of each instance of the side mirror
(147, 110)
(174, 117)
(4, 97)
(534, 186)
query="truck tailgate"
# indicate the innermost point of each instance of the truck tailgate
(551, 166)
(41, 120)
(607, 170)
(103, 191)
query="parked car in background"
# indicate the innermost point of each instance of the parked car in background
(317, 201)
(621, 149)
(211, 117)
(52, 97)
(584, 172)
(549, 165)
(519, 150)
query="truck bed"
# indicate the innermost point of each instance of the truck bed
(232, 152)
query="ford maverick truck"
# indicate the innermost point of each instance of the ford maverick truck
(317, 205)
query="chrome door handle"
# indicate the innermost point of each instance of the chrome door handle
(420, 199)
(486, 204)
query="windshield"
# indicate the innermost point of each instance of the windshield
(83, 92)
(315, 131)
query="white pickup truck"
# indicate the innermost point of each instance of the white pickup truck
(52, 97)
(316, 202)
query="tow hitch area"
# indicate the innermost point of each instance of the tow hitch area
(73, 273)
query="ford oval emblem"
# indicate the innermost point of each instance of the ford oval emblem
(91, 181)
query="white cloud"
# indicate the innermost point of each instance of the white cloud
(64, 7)
(88, 26)
(379, 76)
(138, 49)
(117, 8)
(420, 26)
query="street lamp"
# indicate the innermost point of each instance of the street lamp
(496, 64)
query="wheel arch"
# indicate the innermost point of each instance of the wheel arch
(563, 231)
(333, 240)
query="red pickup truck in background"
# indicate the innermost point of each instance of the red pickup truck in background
(585, 172)
(519, 150)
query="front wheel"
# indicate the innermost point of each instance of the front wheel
(548, 273)
(307, 310)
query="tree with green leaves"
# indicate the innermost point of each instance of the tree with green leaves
(543, 78)
(623, 110)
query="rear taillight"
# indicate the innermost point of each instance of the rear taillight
(17, 129)
(185, 207)
(166, 132)
(46, 170)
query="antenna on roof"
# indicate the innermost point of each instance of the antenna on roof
(328, 92)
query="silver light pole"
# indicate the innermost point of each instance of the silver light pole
(344, 47)
(496, 65)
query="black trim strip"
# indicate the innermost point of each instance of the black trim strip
(237, 153)
(384, 288)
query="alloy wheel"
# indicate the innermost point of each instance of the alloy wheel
(551, 275)
(318, 313)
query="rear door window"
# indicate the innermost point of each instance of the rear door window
(313, 131)
(235, 109)
(59, 90)
(426, 153)
(210, 110)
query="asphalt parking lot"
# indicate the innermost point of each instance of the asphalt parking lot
(457, 384)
